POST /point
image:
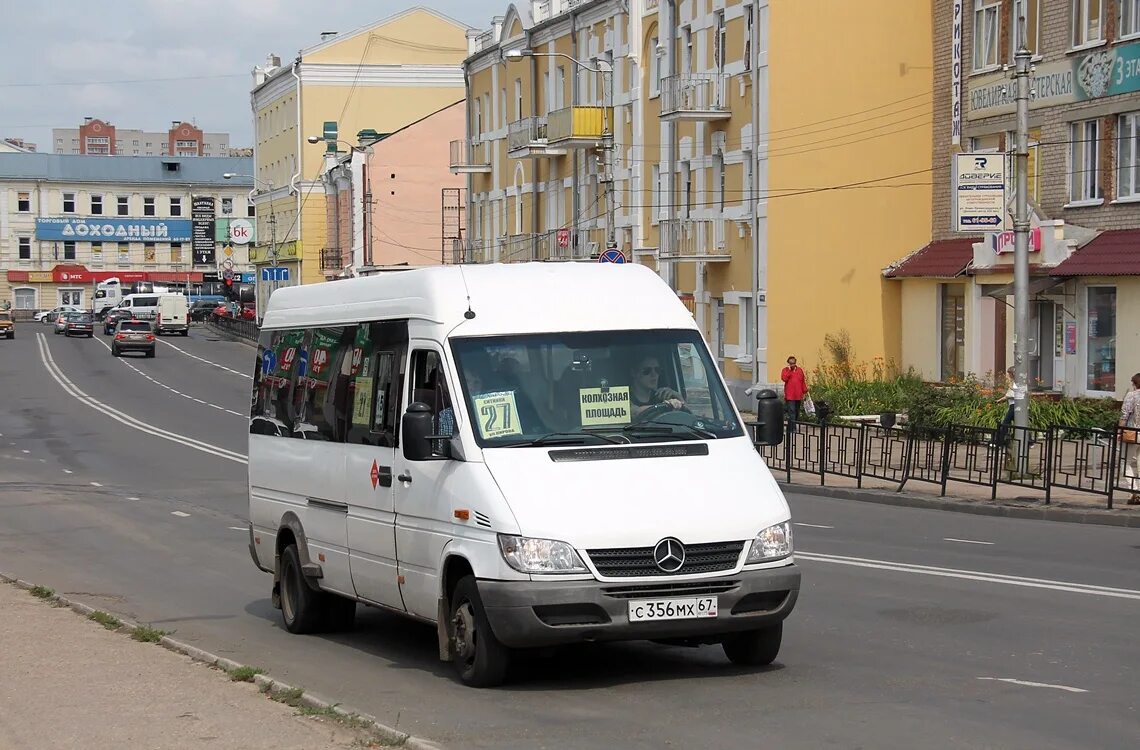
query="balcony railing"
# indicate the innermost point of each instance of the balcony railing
(527, 137)
(332, 260)
(466, 250)
(693, 239)
(554, 245)
(694, 97)
(470, 157)
(579, 126)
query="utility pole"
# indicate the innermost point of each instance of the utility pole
(272, 246)
(1021, 244)
(608, 156)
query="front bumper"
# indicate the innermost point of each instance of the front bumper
(527, 614)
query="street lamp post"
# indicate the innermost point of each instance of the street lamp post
(514, 55)
(272, 221)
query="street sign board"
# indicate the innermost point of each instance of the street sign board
(612, 255)
(979, 192)
(275, 273)
(563, 238)
(202, 229)
(228, 274)
(241, 231)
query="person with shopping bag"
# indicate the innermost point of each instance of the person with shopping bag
(795, 392)
(1130, 421)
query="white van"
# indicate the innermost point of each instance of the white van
(173, 315)
(524, 455)
(142, 306)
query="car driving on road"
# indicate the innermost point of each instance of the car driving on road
(133, 336)
(7, 325)
(79, 324)
(64, 317)
(113, 318)
(50, 316)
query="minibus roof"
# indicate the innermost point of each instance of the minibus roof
(512, 298)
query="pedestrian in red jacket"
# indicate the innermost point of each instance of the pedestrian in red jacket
(795, 390)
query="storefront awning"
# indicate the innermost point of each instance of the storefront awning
(1036, 286)
(941, 259)
(1112, 253)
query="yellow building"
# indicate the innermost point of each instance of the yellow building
(712, 150)
(380, 77)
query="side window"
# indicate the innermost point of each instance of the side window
(376, 383)
(272, 410)
(324, 369)
(429, 386)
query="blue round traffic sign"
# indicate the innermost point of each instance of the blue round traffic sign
(612, 255)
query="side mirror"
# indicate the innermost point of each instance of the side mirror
(418, 426)
(770, 418)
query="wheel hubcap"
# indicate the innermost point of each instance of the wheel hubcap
(287, 596)
(463, 624)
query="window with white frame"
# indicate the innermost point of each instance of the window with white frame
(1027, 15)
(24, 202)
(518, 99)
(25, 247)
(503, 107)
(68, 250)
(658, 67)
(1088, 22)
(1128, 156)
(687, 185)
(124, 206)
(720, 42)
(656, 193)
(69, 203)
(687, 50)
(746, 184)
(718, 180)
(175, 206)
(987, 34)
(1084, 161)
(1129, 18)
(25, 298)
(748, 15)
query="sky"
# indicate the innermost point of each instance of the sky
(63, 60)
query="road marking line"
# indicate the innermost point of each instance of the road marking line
(963, 541)
(95, 484)
(212, 364)
(68, 471)
(179, 513)
(164, 385)
(132, 498)
(1026, 683)
(72, 390)
(973, 575)
(813, 525)
(239, 528)
(25, 451)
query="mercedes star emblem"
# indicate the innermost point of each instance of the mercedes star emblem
(669, 554)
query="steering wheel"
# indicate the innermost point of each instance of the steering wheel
(657, 410)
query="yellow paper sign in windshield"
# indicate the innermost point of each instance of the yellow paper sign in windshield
(362, 403)
(497, 415)
(604, 407)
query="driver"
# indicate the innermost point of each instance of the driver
(646, 392)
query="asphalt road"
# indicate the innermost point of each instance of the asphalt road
(122, 485)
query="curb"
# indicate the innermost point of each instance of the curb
(1065, 515)
(265, 683)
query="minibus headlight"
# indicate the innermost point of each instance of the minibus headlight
(539, 555)
(772, 543)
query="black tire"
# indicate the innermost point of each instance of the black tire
(91, 335)
(114, 351)
(754, 648)
(300, 603)
(150, 354)
(186, 332)
(479, 659)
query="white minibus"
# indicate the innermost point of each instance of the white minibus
(523, 455)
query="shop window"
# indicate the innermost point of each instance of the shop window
(952, 331)
(25, 299)
(1102, 339)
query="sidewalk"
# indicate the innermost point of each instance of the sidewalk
(68, 682)
(1013, 502)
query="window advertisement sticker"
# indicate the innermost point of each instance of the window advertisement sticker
(362, 402)
(497, 415)
(602, 407)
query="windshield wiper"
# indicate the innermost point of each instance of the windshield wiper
(560, 438)
(651, 426)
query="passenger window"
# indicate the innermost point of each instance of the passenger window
(272, 410)
(321, 399)
(377, 379)
(429, 386)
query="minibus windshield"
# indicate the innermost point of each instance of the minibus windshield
(592, 387)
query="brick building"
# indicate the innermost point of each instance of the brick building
(1084, 190)
(100, 137)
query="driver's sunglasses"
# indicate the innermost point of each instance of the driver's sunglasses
(650, 370)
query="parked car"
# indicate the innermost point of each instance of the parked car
(79, 324)
(249, 311)
(50, 316)
(7, 325)
(201, 309)
(61, 321)
(133, 336)
(113, 318)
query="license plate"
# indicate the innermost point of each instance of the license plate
(700, 607)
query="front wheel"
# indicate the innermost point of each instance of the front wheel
(479, 659)
(754, 648)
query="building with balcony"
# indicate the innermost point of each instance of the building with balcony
(101, 138)
(726, 174)
(1084, 192)
(69, 221)
(380, 77)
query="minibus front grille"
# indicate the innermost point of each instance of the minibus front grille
(632, 562)
(647, 590)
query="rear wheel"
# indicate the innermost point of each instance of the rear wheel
(754, 648)
(480, 659)
(186, 332)
(114, 350)
(150, 353)
(300, 602)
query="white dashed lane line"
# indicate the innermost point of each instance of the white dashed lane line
(965, 541)
(813, 525)
(95, 484)
(208, 362)
(172, 390)
(179, 513)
